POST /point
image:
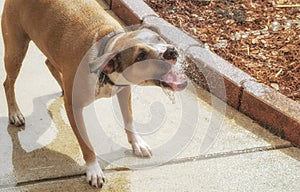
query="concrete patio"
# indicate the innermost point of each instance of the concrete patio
(220, 149)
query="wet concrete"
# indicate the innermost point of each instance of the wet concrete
(217, 148)
(115, 183)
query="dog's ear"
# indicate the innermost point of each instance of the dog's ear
(106, 63)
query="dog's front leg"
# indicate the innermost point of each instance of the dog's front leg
(139, 146)
(94, 174)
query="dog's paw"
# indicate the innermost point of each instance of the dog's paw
(16, 119)
(94, 175)
(139, 146)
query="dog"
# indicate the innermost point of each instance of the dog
(65, 30)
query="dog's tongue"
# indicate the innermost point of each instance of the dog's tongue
(175, 78)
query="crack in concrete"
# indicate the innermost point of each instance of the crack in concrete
(228, 154)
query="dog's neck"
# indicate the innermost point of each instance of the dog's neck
(105, 40)
(104, 78)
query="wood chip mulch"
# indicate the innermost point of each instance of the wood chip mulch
(261, 37)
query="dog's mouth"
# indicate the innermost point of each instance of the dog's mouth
(175, 79)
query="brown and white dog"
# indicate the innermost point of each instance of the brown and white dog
(64, 30)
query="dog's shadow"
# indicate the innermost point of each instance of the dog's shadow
(54, 160)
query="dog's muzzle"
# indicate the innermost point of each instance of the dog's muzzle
(175, 79)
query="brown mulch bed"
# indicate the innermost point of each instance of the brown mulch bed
(261, 37)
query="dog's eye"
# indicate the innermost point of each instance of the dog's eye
(142, 56)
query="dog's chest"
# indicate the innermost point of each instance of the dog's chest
(105, 87)
(105, 90)
(99, 88)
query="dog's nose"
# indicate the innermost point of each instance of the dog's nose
(170, 54)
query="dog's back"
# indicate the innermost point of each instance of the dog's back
(53, 24)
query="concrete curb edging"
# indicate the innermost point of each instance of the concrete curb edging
(271, 109)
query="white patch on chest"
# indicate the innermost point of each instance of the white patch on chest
(104, 91)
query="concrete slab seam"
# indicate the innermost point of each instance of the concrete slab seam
(229, 154)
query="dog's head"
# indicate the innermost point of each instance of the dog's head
(141, 57)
